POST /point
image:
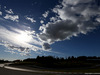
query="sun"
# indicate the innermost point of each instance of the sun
(23, 37)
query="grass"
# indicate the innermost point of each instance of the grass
(95, 70)
(90, 70)
(77, 70)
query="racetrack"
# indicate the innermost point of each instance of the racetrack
(8, 70)
(4, 71)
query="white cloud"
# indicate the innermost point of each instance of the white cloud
(31, 19)
(12, 17)
(98, 19)
(9, 11)
(41, 21)
(10, 51)
(5, 7)
(74, 17)
(73, 10)
(0, 13)
(20, 40)
(45, 15)
(54, 19)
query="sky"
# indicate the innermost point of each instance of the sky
(59, 28)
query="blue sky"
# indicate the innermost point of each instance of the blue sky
(49, 27)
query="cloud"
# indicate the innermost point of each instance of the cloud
(18, 37)
(74, 17)
(54, 19)
(0, 13)
(12, 17)
(58, 31)
(20, 40)
(12, 49)
(98, 19)
(9, 11)
(45, 15)
(75, 10)
(21, 49)
(31, 19)
(46, 46)
(41, 21)
(5, 7)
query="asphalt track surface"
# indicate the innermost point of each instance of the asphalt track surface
(4, 71)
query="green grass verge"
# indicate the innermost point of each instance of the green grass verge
(94, 70)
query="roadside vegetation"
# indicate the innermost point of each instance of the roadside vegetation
(3, 61)
(81, 64)
(59, 63)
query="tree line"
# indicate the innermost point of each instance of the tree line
(3, 61)
(60, 62)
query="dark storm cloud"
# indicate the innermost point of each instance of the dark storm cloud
(59, 30)
(18, 48)
(75, 17)
(12, 47)
(46, 46)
